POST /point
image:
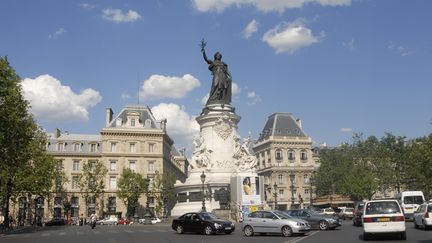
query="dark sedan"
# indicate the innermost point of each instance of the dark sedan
(55, 221)
(206, 223)
(320, 221)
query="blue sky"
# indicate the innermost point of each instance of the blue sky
(342, 66)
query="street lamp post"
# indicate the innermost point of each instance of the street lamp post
(275, 195)
(312, 183)
(292, 177)
(135, 216)
(147, 215)
(203, 177)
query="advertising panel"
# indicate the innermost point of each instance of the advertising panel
(251, 190)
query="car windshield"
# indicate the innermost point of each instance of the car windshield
(312, 212)
(429, 209)
(388, 207)
(349, 210)
(413, 200)
(208, 216)
(282, 215)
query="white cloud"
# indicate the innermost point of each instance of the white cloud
(87, 6)
(204, 99)
(159, 86)
(253, 98)
(290, 37)
(251, 28)
(125, 96)
(52, 101)
(235, 89)
(117, 16)
(345, 129)
(181, 127)
(262, 5)
(349, 44)
(400, 50)
(57, 33)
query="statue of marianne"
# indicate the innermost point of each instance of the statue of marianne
(220, 92)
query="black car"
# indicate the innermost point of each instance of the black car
(206, 223)
(55, 221)
(316, 220)
(358, 212)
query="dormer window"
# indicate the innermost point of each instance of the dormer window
(93, 147)
(119, 122)
(60, 147)
(291, 155)
(132, 122)
(77, 147)
(278, 154)
(113, 146)
(303, 155)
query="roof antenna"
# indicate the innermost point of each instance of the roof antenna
(138, 98)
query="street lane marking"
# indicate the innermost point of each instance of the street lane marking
(129, 231)
(45, 234)
(144, 231)
(80, 233)
(62, 233)
(96, 232)
(302, 238)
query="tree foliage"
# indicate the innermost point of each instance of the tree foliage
(372, 165)
(131, 186)
(162, 190)
(91, 180)
(25, 167)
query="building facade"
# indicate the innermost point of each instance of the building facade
(287, 161)
(132, 139)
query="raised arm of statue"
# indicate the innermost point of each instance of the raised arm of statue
(202, 45)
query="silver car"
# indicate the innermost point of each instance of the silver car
(278, 222)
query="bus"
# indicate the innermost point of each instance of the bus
(410, 201)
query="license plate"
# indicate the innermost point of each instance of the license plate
(383, 219)
(227, 228)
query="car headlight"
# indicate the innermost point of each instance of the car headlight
(216, 225)
(300, 224)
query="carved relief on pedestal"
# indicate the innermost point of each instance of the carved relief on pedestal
(243, 158)
(223, 127)
(201, 156)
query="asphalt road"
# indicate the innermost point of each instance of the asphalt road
(163, 233)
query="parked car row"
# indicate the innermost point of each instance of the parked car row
(285, 223)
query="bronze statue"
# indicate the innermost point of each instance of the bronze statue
(220, 92)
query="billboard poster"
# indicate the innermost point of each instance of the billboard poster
(251, 190)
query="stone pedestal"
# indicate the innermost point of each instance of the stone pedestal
(219, 153)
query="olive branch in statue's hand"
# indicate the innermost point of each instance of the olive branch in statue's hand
(203, 44)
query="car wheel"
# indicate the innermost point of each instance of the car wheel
(366, 236)
(101, 223)
(286, 231)
(228, 232)
(179, 229)
(403, 236)
(323, 225)
(208, 230)
(248, 231)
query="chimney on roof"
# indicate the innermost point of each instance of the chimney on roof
(108, 117)
(299, 123)
(57, 133)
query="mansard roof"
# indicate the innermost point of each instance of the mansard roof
(282, 124)
(146, 118)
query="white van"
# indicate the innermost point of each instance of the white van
(410, 201)
(383, 217)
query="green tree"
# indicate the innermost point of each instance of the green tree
(419, 155)
(359, 183)
(91, 181)
(131, 186)
(22, 143)
(162, 190)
